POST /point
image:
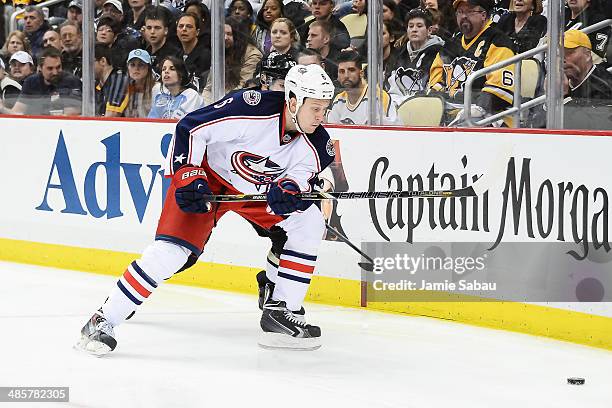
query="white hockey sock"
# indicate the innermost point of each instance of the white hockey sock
(294, 273)
(132, 289)
(158, 262)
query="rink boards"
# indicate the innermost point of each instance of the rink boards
(86, 195)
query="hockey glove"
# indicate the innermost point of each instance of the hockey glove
(191, 189)
(282, 199)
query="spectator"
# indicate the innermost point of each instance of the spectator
(136, 98)
(270, 10)
(107, 31)
(35, 27)
(479, 45)
(411, 74)
(447, 23)
(200, 10)
(127, 39)
(350, 107)
(241, 58)
(583, 13)
(176, 97)
(72, 48)
(22, 66)
(9, 88)
(284, 37)
(195, 53)
(524, 24)
(51, 91)
(16, 41)
(389, 10)
(75, 11)
(309, 56)
(339, 38)
(242, 10)
(110, 82)
(589, 84)
(134, 16)
(52, 39)
(319, 39)
(155, 33)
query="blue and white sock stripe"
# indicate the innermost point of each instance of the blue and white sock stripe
(303, 258)
(127, 293)
(141, 274)
(292, 276)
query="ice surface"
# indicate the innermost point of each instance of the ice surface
(191, 347)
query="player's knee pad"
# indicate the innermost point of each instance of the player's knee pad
(162, 259)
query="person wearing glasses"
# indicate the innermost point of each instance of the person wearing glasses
(479, 45)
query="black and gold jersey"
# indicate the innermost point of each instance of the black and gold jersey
(458, 59)
(600, 38)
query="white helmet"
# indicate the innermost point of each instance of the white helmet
(307, 81)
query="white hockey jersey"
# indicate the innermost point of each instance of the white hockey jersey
(243, 140)
(342, 111)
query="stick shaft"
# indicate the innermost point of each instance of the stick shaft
(352, 195)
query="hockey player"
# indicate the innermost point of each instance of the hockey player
(248, 142)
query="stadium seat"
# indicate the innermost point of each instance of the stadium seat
(530, 78)
(356, 26)
(421, 111)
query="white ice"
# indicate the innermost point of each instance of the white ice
(191, 347)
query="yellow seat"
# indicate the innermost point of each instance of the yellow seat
(356, 26)
(421, 111)
(530, 78)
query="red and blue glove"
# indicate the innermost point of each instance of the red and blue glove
(191, 189)
(282, 197)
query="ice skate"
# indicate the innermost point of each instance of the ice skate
(97, 336)
(284, 329)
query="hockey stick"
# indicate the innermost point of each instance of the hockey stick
(366, 266)
(479, 186)
(350, 195)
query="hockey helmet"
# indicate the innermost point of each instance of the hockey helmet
(307, 81)
(277, 65)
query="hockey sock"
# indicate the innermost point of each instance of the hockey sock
(294, 273)
(158, 262)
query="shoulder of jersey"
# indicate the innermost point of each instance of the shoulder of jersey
(497, 38)
(323, 146)
(247, 103)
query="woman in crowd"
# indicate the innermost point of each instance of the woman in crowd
(284, 37)
(242, 10)
(138, 89)
(241, 58)
(414, 60)
(16, 41)
(270, 10)
(176, 97)
(524, 24)
(107, 30)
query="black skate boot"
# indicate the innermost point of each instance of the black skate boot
(284, 329)
(97, 336)
(266, 288)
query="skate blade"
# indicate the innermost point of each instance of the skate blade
(93, 347)
(278, 341)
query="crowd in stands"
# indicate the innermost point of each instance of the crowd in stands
(154, 61)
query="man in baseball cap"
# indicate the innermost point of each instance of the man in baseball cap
(75, 11)
(588, 82)
(480, 45)
(21, 66)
